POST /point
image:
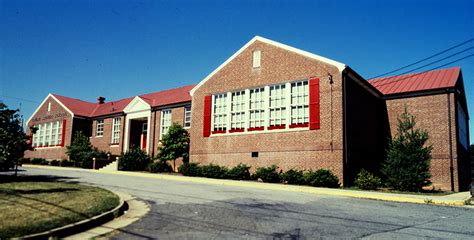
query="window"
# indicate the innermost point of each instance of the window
(187, 116)
(300, 102)
(99, 128)
(60, 132)
(237, 120)
(116, 130)
(257, 109)
(220, 113)
(165, 121)
(49, 106)
(48, 134)
(277, 105)
(256, 59)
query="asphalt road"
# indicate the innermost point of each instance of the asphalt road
(181, 210)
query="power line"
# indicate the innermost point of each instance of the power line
(21, 99)
(412, 75)
(424, 59)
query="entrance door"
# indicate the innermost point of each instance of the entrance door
(144, 137)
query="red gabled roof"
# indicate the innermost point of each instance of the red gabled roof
(414, 82)
(78, 107)
(88, 109)
(167, 97)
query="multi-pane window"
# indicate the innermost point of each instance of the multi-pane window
(257, 108)
(48, 134)
(116, 130)
(277, 105)
(237, 111)
(99, 128)
(165, 121)
(220, 112)
(187, 116)
(299, 102)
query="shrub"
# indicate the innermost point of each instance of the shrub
(213, 171)
(321, 178)
(159, 166)
(44, 162)
(367, 181)
(407, 167)
(239, 172)
(134, 160)
(25, 160)
(267, 174)
(65, 163)
(54, 163)
(293, 176)
(37, 160)
(190, 169)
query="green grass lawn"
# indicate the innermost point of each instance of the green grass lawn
(28, 207)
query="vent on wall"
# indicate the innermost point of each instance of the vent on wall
(255, 154)
(256, 58)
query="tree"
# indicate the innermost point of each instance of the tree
(407, 167)
(175, 144)
(13, 141)
(79, 148)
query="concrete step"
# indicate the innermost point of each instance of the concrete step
(110, 167)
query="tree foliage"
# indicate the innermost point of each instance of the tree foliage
(175, 144)
(407, 167)
(134, 159)
(13, 141)
(82, 152)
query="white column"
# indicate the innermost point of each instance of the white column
(148, 133)
(126, 134)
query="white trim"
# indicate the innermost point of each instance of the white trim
(43, 102)
(138, 114)
(340, 66)
(136, 105)
(265, 130)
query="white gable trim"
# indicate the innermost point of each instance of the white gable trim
(340, 66)
(43, 102)
(137, 105)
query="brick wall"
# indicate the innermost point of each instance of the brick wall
(431, 113)
(104, 142)
(56, 113)
(302, 149)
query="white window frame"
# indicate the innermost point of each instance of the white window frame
(48, 134)
(220, 112)
(257, 108)
(278, 105)
(238, 111)
(187, 116)
(116, 125)
(256, 58)
(165, 122)
(299, 102)
(99, 128)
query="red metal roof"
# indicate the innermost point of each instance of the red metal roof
(162, 98)
(414, 82)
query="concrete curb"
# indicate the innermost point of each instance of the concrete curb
(83, 225)
(393, 197)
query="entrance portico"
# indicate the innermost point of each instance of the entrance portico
(137, 125)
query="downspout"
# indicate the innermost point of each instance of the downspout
(154, 133)
(345, 170)
(451, 162)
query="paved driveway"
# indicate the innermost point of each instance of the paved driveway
(182, 210)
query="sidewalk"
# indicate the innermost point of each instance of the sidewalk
(455, 199)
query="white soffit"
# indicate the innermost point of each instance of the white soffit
(340, 66)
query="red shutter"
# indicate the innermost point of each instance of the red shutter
(206, 128)
(63, 133)
(314, 112)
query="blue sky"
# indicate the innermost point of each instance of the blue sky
(84, 49)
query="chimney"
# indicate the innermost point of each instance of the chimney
(100, 100)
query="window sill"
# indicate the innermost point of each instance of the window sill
(300, 125)
(255, 129)
(219, 132)
(277, 127)
(236, 130)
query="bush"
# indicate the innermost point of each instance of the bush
(190, 169)
(85, 159)
(407, 167)
(367, 181)
(239, 172)
(44, 162)
(66, 163)
(24, 160)
(134, 160)
(159, 166)
(54, 163)
(37, 161)
(321, 178)
(213, 171)
(293, 176)
(267, 174)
